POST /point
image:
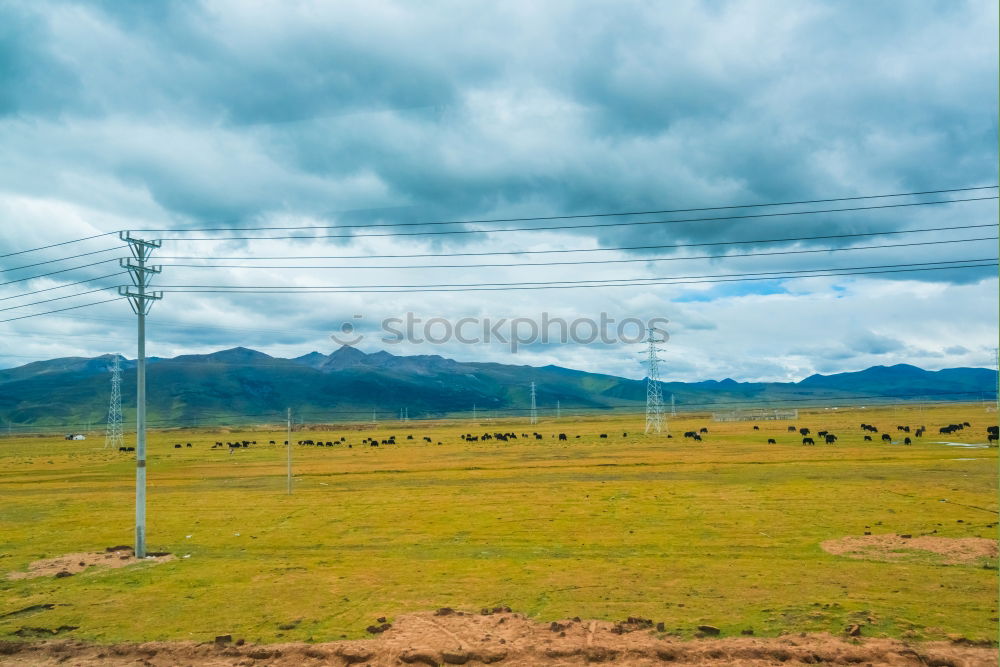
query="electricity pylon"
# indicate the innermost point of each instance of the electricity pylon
(114, 437)
(654, 395)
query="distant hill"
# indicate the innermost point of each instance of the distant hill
(240, 385)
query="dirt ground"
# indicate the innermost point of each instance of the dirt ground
(509, 639)
(954, 550)
(70, 564)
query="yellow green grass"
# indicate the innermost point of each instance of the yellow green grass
(724, 532)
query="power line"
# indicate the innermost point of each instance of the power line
(58, 298)
(561, 227)
(636, 280)
(49, 312)
(56, 245)
(632, 260)
(161, 325)
(538, 218)
(62, 259)
(585, 215)
(775, 275)
(574, 250)
(52, 273)
(49, 289)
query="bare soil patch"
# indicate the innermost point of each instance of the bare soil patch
(70, 564)
(509, 639)
(891, 547)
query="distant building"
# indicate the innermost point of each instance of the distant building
(75, 436)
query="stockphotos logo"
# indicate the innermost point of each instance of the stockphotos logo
(516, 332)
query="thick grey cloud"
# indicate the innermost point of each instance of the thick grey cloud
(175, 114)
(457, 110)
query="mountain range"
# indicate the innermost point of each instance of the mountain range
(240, 385)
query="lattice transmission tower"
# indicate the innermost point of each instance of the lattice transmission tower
(654, 394)
(114, 437)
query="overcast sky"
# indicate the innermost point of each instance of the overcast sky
(187, 115)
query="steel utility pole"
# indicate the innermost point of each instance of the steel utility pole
(141, 301)
(288, 448)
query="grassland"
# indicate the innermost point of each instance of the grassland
(724, 532)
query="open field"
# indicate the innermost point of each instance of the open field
(725, 532)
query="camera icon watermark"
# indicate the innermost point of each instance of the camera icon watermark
(515, 332)
(347, 333)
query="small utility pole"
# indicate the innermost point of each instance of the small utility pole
(558, 410)
(534, 408)
(141, 301)
(996, 361)
(288, 448)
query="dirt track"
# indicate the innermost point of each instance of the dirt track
(891, 547)
(509, 639)
(70, 564)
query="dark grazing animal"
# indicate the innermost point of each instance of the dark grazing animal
(808, 441)
(772, 441)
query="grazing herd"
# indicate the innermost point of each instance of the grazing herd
(917, 432)
(696, 435)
